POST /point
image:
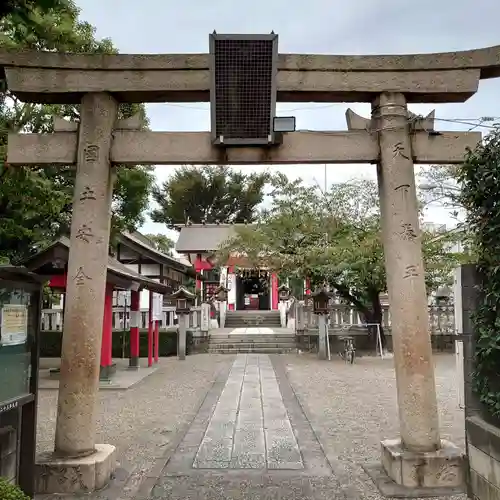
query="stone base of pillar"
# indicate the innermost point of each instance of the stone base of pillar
(75, 475)
(409, 474)
(133, 363)
(106, 372)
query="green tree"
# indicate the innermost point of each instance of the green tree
(24, 9)
(479, 178)
(162, 243)
(333, 237)
(208, 194)
(36, 203)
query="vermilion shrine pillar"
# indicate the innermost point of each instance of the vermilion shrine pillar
(150, 328)
(107, 334)
(274, 292)
(87, 269)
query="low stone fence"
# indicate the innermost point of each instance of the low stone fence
(364, 342)
(346, 320)
(52, 325)
(52, 319)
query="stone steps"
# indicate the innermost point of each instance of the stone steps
(252, 338)
(250, 349)
(257, 345)
(273, 343)
(242, 319)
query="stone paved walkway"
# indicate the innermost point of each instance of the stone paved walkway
(249, 428)
(250, 440)
(338, 414)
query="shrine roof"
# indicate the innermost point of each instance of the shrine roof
(142, 245)
(118, 274)
(20, 274)
(202, 238)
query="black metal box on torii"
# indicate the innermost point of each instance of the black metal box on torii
(243, 89)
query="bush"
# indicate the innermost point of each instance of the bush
(10, 491)
(50, 344)
(480, 179)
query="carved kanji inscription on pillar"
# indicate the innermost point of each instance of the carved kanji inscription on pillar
(404, 190)
(410, 272)
(81, 277)
(87, 194)
(407, 232)
(399, 150)
(91, 153)
(84, 233)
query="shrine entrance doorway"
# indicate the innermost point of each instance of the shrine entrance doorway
(253, 291)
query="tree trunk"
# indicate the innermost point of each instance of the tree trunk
(376, 316)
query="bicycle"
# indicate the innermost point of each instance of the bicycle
(349, 350)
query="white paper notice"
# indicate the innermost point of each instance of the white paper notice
(14, 326)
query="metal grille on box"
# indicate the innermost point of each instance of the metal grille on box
(243, 90)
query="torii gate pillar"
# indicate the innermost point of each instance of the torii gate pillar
(419, 458)
(75, 447)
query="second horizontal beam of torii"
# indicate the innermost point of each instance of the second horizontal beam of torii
(135, 147)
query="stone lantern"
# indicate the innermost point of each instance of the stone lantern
(184, 300)
(221, 293)
(283, 293)
(443, 294)
(321, 299)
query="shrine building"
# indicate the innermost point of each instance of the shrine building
(250, 288)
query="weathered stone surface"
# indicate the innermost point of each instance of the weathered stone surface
(485, 59)
(444, 467)
(441, 77)
(78, 475)
(418, 413)
(51, 85)
(249, 427)
(85, 289)
(169, 148)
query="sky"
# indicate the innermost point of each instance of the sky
(313, 27)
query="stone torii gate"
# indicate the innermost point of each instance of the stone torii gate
(393, 138)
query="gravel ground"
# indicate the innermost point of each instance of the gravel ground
(353, 407)
(143, 420)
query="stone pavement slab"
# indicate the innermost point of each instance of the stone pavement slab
(272, 453)
(243, 431)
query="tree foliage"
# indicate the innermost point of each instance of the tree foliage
(208, 194)
(162, 243)
(333, 237)
(480, 180)
(24, 9)
(36, 202)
